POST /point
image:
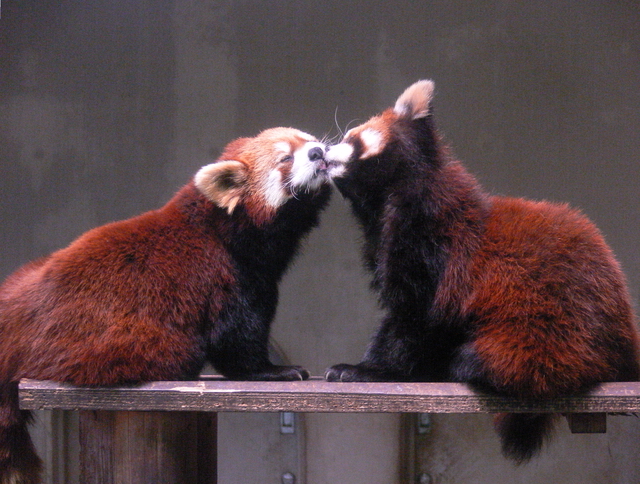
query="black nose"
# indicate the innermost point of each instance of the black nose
(316, 153)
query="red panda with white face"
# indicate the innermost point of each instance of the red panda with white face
(517, 297)
(156, 296)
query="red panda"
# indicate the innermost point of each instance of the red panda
(155, 296)
(513, 296)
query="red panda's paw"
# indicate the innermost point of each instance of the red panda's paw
(278, 373)
(342, 372)
(345, 373)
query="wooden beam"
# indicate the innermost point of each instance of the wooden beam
(587, 423)
(315, 395)
(151, 430)
(147, 447)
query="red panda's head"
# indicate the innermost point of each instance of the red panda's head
(375, 148)
(264, 172)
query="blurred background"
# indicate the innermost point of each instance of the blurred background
(107, 107)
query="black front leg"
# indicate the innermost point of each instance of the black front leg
(360, 372)
(239, 349)
(394, 355)
(275, 373)
(248, 359)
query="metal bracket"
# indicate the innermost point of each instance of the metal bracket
(287, 423)
(288, 478)
(424, 423)
(587, 423)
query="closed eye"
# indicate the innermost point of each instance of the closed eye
(286, 159)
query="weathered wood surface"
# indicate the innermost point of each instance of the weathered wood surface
(315, 395)
(147, 447)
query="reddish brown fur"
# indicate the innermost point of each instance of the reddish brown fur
(517, 297)
(258, 157)
(533, 303)
(155, 296)
(113, 310)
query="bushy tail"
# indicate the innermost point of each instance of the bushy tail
(19, 463)
(523, 434)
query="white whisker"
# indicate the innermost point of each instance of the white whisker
(352, 122)
(335, 120)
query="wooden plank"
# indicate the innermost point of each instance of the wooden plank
(97, 442)
(147, 447)
(315, 395)
(587, 423)
(207, 448)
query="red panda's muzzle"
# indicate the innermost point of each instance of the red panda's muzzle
(316, 156)
(337, 157)
(309, 168)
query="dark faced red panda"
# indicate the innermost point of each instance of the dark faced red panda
(518, 297)
(156, 296)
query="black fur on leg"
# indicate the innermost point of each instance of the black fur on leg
(275, 373)
(19, 463)
(361, 372)
(523, 434)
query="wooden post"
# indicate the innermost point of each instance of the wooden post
(165, 432)
(587, 423)
(147, 447)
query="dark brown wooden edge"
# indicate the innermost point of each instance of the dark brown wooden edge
(315, 395)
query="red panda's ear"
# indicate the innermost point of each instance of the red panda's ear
(223, 183)
(414, 102)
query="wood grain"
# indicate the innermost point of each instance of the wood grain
(147, 447)
(315, 395)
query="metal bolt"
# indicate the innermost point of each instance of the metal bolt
(423, 478)
(288, 478)
(287, 423)
(424, 423)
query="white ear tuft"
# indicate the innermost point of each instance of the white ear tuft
(414, 102)
(223, 183)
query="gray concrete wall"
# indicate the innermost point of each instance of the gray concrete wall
(108, 106)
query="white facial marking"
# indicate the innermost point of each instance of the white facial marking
(274, 194)
(303, 170)
(336, 171)
(282, 147)
(305, 136)
(372, 142)
(340, 153)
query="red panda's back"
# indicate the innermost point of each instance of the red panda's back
(124, 302)
(550, 302)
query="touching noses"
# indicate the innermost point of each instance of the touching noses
(316, 153)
